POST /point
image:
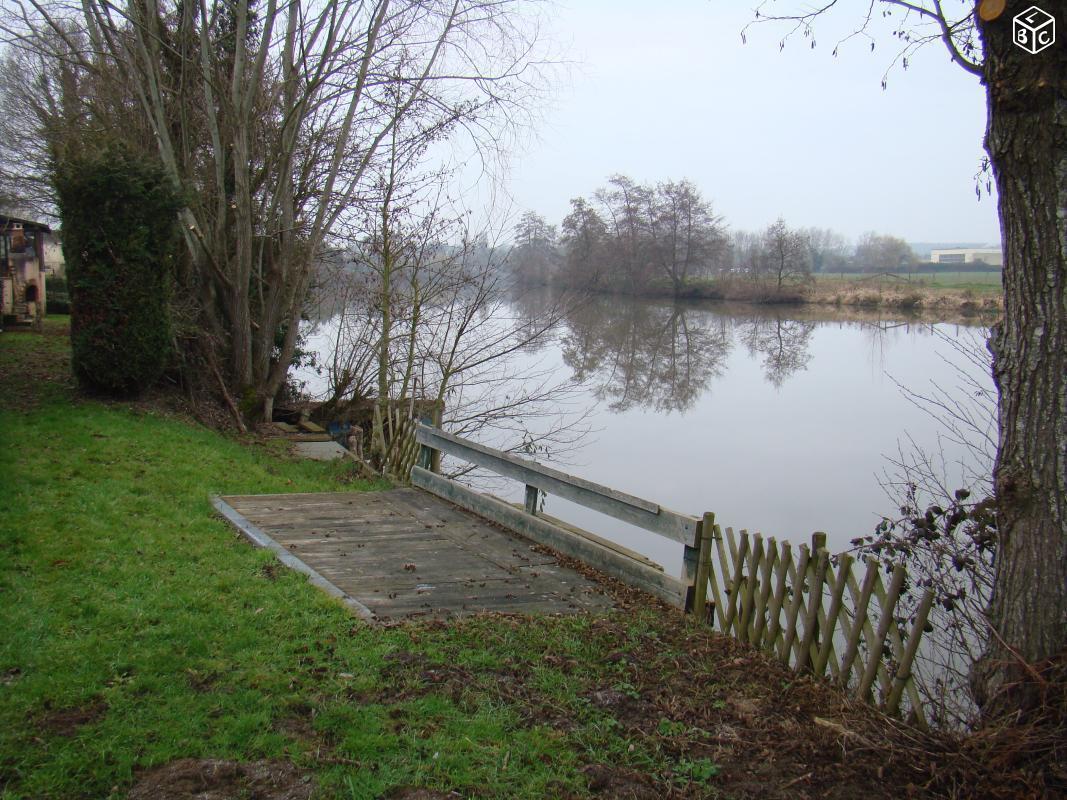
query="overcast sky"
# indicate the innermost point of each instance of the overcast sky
(668, 90)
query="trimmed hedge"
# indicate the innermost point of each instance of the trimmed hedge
(120, 232)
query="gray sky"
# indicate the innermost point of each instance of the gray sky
(668, 90)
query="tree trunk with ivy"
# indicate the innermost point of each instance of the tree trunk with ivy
(1026, 139)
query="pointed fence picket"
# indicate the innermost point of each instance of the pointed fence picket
(818, 613)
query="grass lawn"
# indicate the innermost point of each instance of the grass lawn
(977, 282)
(139, 631)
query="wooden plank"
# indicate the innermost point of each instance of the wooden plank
(533, 497)
(700, 590)
(755, 558)
(790, 628)
(861, 599)
(883, 674)
(844, 568)
(811, 618)
(765, 588)
(885, 620)
(469, 532)
(903, 676)
(601, 541)
(732, 610)
(260, 539)
(540, 530)
(774, 611)
(626, 507)
(733, 547)
(407, 553)
(718, 598)
(897, 649)
(726, 566)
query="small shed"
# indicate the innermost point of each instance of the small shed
(22, 269)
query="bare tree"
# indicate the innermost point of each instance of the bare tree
(645, 355)
(783, 343)
(1025, 140)
(584, 241)
(269, 119)
(633, 234)
(785, 256)
(534, 257)
(830, 251)
(687, 237)
(880, 253)
(436, 307)
(622, 203)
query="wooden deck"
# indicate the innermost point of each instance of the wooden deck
(405, 553)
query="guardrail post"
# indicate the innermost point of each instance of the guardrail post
(425, 457)
(818, 542)
(700, 591)
(435, 455)
(533, 497)
(691, 565)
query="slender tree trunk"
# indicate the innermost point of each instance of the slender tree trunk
(385, 342)
(1026, 139)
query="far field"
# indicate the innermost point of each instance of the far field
(979, 282)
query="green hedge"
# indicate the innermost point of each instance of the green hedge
(120, 232)
(57, 295)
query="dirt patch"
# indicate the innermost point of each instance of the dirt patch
(67, 721)
(269, 571)
(210, 779)
(299, 724)
(201, 682)
(607, 781)
(31, 374)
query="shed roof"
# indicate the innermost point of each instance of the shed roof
(27, 224)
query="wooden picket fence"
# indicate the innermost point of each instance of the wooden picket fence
(402, 448)
(818, 613)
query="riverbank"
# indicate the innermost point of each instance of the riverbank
(149, 652)
(976, 301)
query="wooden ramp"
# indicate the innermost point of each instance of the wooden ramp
(405, 553)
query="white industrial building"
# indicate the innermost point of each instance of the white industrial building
(968, 255)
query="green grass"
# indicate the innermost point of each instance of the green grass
(978, 282)
(127, 606)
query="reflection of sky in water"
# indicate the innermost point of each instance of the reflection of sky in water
(785, 459)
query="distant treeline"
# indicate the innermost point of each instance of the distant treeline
(666, 237)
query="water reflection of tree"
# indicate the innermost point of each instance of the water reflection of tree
(783, 343)
(644, 354)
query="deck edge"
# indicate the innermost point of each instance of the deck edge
(261, 539)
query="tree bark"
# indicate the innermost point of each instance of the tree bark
(1026, 139)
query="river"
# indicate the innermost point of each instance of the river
(778, 419)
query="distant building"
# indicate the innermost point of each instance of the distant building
(53, 256)
(968, 255)
(22, 270)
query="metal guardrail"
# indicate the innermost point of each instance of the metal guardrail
(811, 612)
(642, 513)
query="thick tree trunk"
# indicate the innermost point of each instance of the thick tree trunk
(1026, 139)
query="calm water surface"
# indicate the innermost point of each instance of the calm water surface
(778, 420)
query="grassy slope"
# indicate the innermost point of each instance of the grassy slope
(138, 629)
(127, 603)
